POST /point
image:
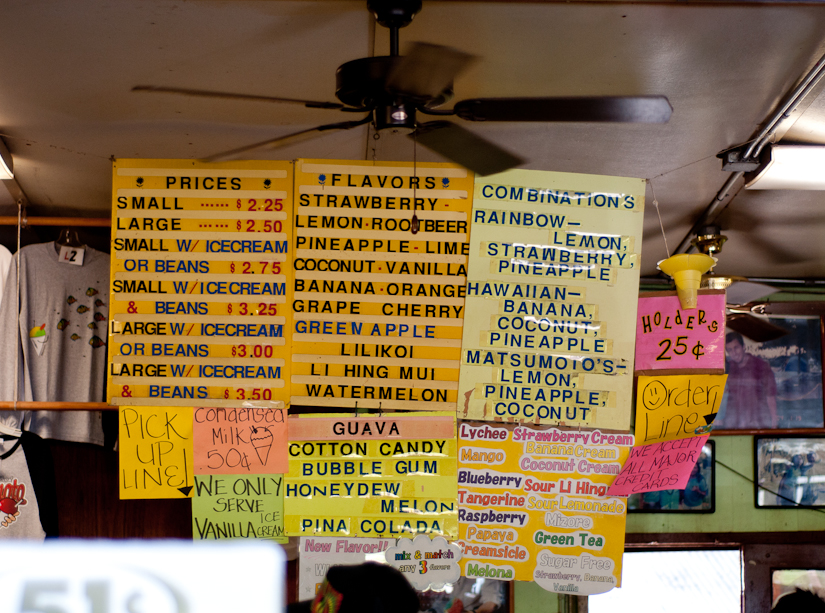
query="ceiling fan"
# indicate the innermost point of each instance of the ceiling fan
(743, 306)
(390, 91)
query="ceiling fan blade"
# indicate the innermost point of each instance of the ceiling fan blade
(746, 291)
(800, 308)
(465, 148)
(755, 328)
(628, 109)
(203, 93)
(427, 70)
(287, 139)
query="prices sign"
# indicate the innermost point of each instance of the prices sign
(380, 275)
(201, 283)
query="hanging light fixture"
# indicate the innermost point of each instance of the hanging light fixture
(790, 167)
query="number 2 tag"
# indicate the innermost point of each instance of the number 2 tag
(71, 255)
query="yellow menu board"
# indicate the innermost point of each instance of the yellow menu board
(552, 292)
(378, 308)
(201, 283)
(390, 476)
(533, 506)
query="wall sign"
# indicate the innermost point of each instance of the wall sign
(670, 338)
(317, 554)
(660, 466)
(201, 283)
(533, 506)
(378, 309)
(239, 441)
(551, 299)
(671, 407)
(155, 452)
(238, 506)
(383, 487)
(428, 564)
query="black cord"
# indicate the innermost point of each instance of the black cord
(749, 480)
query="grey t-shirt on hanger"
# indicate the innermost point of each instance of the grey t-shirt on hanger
(61, 343)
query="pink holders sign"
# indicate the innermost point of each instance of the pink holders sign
(671, 338)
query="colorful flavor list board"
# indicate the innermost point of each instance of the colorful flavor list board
(201, 280)
(378, 477)
(551, 299)
(670, 338)
(533, 506)
(378, 309)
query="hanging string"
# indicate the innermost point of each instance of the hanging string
(762, 487)
(661, 225)
(414, 224)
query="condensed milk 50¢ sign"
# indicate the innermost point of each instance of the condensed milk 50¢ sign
(380, 274)
(201, 279)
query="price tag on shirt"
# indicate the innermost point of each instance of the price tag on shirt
(71, 255)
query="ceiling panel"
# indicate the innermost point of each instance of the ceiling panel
(66, 105)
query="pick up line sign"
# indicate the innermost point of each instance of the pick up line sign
(677, 406)
(669, 337)
(155, 452)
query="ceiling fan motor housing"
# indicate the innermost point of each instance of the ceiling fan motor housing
(394, 13)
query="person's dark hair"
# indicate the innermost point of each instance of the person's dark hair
(367, 588)
(798, 602)
(734, 337)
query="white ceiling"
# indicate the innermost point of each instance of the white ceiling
(68, 67)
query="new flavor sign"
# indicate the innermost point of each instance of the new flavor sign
(372, 477)
(201, 283)
(380, 276)
(552, 291)
(533, 506)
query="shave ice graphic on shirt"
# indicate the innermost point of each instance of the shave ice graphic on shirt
(12, 497)
(38, 337)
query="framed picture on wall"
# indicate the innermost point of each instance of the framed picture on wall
(790, 471)
(777, 384)
(698, 497)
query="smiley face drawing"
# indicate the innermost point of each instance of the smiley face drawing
(654, 395)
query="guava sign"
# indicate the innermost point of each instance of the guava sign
(533, 506)
(379, 487)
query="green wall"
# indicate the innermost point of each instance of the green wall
(735, 510)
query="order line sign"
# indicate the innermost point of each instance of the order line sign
(201, 283)
(380, 277)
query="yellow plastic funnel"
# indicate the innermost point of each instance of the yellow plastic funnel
(687, 270)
